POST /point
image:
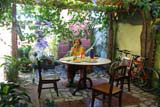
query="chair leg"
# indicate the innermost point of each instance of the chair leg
(104, 97)
(56, 88)
(129, 88)
(93, 98)
(110, 101)
(120, 99)
(39, 89)
(122, 83)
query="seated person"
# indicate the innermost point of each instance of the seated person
(76, 50)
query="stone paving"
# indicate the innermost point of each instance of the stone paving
(147, 99)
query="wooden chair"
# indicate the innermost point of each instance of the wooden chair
(126, 80)
(126, 76)
(51, 79)
(108, 89)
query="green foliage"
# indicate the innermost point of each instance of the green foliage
(155, 9)
(149, 6)
(59, 26)
(11, 66)
(5, 12)
(50, 11)
(5, 6)
(12, 95)
(23, 57)
(23, 51)
(74, 4)
(26, 65)
(145, 4)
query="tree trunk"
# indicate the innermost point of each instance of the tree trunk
(14, 33)
(143, 35)
(147, 40)
(110, 49)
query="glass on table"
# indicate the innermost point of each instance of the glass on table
(82, 55)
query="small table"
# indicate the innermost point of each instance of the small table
(83, 65)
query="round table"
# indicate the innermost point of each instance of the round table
(83, 65)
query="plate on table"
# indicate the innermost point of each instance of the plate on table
(92, 61)
(68, 60)
(77, 61)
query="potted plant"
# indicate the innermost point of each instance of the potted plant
(12, 95)
(47, 62)
(24, 51)
(11, 67)
(26, 65)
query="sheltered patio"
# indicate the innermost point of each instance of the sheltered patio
(44, 31)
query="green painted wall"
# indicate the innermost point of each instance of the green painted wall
(128, 37)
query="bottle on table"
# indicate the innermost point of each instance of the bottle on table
(92, 53)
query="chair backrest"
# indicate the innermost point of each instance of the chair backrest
(39, 70)
(119, 71)
(113, 65)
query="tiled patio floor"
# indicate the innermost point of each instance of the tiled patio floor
(135, 98)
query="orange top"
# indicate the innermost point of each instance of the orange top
(77, 51)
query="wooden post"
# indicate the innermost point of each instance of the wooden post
(110, 37)
(14, 33)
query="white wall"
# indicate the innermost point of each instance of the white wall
(5, 48)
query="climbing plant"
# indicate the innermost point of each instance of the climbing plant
(5, 12)
(58, 5)
(57, 24)
(49, 10)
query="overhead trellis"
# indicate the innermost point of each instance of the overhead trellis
(101, 5)
(104, 5)
(57, 25)
(147, 7)
(72, 4)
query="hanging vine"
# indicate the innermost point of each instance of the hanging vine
(58, 26)
(49, 10)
